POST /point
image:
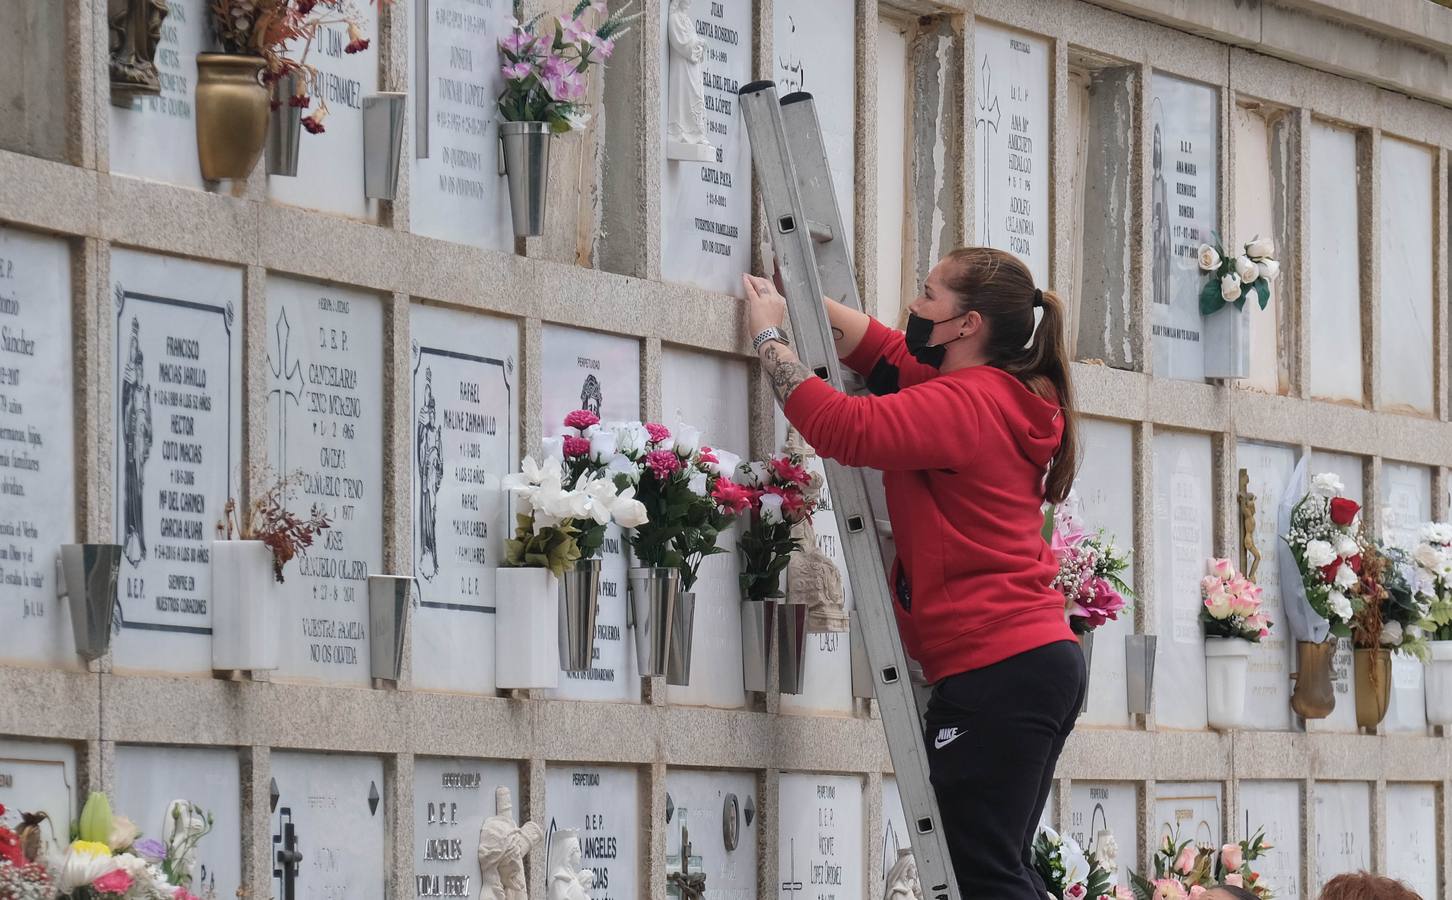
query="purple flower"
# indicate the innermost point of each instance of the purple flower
(517, 72)
(605, 47)
(149, 849)
(518, 43)
(573, 31)
(553, 67)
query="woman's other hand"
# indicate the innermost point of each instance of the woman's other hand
(765, 308)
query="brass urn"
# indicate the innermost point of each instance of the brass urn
(1373, 686)
(232, 113)
(1314, 697)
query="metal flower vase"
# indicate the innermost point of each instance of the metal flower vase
(758, 635)
(388, 603)
(792, 642)
(1373, 686)
(524, 158)
(863, 687)
(284, 128)
(86, 577)
(383, 124)
(683, 620)
(579, 604)
(231, 112)
(1139, 665)
(1086, 646)
(653, 592)
(1314, 696)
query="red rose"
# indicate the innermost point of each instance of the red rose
(1328, 572)
(1355, 563)
(1343, 511)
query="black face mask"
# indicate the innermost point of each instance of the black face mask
(919, 331)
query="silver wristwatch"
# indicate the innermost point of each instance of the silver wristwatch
(768, 334)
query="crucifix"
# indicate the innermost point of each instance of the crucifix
(989, 115)
(689, 885)
(285, 372)
(792, 886)
(1249, 552)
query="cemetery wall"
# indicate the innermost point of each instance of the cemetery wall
(292, 322)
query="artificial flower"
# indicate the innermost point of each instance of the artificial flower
(725, 464)
(1185, 862)
(1246, 269)
(1230, 288)
(1269, 269)
(1232, 857)
(696, 484)
(149, 848)
(1209, 258)
(663, 463)
(732, 497)
(574, 446)
(115, 881)
(1339, 604)
(1320, 553)
(83, 863)
(659, 434)
(603, 446)
(123, 833)
(1345, 577)
(1235, 878)
(688, 440)
(1327, 484)
(581, 419)
(1260, 247)
(771, 509)
(787, 470)
(1343, 511)
(1391, 634)
(1169, 889)
(516, 71)
(1347, 547)
(627, 511)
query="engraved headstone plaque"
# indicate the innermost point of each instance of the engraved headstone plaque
(464, 438)
(38, 776)
(37, 447)
(1406, 326)
(712, 806)
(819, 849)
(1107, 808)
(601, 373)
(1011, 170)
(155, 136)
(707, 205)
(1275, 806)
(451, 800)
(1412, 837)
(895, 835)
(148, 779)
(1343, 829)
(1188, 811)
(330, 808)
(1268, 701)
(1335, 344)
(1105, 490)
(710, 393)
(325, 423)
(1185, 145)
(176, 443)
(1183, 542)
(602, 803)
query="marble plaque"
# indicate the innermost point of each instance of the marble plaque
(815, 45)
(1105, 494)
(1343, 717)
(465, 437)
(156, 137)
(1107, 808)
(892, 171)
(456, 192)
(895, 834)
(1333, 276)
(1183, 541)
(330, 165)
(1407, 224)
(1406, 497)
(1256, 189)
(1412, 836)
(148, 779)
(1012, 168)
(38, 776)
(37, 447)
(1343, 828)
(602, 803)
(325, 421)
(710, 393)
(1268, 698)
(599, 372)
(1188, 811)
(1185, 205)
(706, 208)
(330, 807)
(715, 806)
(819, 850)
(177, 449)
(1276, 807)
(451, 800)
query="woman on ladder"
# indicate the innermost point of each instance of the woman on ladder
(973, 427)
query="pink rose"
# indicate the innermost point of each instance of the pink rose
(1186, 860)
(1232, 857)
(1235, 880)
(115, 881)
(1169, 889)
(1222, 568)
(1196, 891)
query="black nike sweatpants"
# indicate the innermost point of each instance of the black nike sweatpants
(994, 735)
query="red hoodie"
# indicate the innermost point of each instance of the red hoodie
(963, 456)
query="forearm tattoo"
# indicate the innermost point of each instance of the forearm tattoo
(784, 368)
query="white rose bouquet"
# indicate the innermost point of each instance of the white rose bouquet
(1234, 279)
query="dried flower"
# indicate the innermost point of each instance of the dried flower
(286, 534)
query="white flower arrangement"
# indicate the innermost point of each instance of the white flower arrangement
(1234, 279)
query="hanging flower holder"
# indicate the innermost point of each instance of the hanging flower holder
(524, 159)
(1231, 281)
(1373, 685)
(86, 577)
(1314, 696)
(653, 601)
(389, 599)
(792, 641)
(758, 638)
(383, 126)
(284, 133)
(1139, 664)
(526, 628)
(1086, 646)
(683, 620)
(863, 687)
(1227, 662)
(232, 113)
(246, 607)
(579, 605)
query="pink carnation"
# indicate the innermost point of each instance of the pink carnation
(657, 432)
(707, 455)
(581, 419)
(115, 881)
(662, 463)
(575, 446)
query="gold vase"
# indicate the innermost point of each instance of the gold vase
(1373, 686)
(232, 112)
(1314, 697)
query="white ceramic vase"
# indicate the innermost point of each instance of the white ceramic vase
(246, 607)
(1227, 661)
(526, 628)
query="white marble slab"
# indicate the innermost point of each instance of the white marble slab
(892, 171)
(156, 137)
(1189, 811)
(1105, 491)
(1255, 191)
(177, 449)
(148, 779)
(1412, 836)
(713, 806)
(706, 206)
(815, 45)
(1275, 806)
(819, 850)
(1406, 497)
(325, 419)
(37, 447)
(456, 192)
(1408, 220)
(603, 804)
(1185, 147)
(1333, 283)
(600, 372)
(1107, 808)
(330, 165)
(464, 396)
(451, 800)
(1268, 698)
(710, 393)
(1012, 168)
(332, 805)
(1184, 533)
(40, 776)
(895, 834)
(1343, 829)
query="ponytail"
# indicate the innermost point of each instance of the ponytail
(1000, 287)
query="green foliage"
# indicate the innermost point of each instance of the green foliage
(765, 552)
(555, 547)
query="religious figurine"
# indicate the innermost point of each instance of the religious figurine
(502, 847)
(1249, 552)
(811, 575)
(567, 880)
(136, 446)
(902, 878)
(429, 452)
(686, 113)
(135, 27)
(689, 885)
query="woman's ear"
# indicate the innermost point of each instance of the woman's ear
(972, 323)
